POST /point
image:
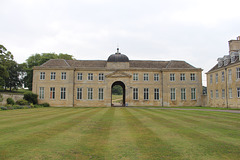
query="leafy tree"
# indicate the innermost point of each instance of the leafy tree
(117, 90)
(37, 60)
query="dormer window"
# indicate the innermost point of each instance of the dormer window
(234, 56)
(220, 62)
(226, 60)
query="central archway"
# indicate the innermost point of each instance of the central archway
(123, 94)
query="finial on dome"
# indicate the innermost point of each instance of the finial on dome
(118, 51)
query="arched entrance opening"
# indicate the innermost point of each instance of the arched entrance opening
(118, 99)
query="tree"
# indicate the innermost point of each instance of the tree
(117, 90)
(37, 60)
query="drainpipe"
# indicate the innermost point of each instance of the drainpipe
(73, 86)
(226, 87)
(162, 86)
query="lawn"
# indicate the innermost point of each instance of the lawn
(118, 133)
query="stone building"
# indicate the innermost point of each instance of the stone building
(145, 83)
(223, 80)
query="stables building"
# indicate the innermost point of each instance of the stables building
(144, 83)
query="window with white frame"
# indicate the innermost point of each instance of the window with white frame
(217, 94)
(229, 75)
(173, 94)
(230, 92)
(145, 76)
(223, 93)
(53, 76)
(193, 76)
(238, 92)
(216, 77)
(79, 93)
(135, 93)
(100, 76)
(90, 76)
(42, 75)
(52, 92)
(90, 93)
(156, 77)
(63, 93)
(183, 94)
(64, 76)
(193, 93)
(223, 77)
(211, 94)
(210, 78)
(238, 73)
(41, 93)
(135, 76)
(182, 77)
(79, 76)
(145, 94)
(172, 77)
(100, 93)
(156, 93)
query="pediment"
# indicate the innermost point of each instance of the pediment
(118, 74)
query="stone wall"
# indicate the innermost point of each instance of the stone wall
(5, 96)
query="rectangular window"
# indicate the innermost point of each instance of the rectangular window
(230, 92)
(90, 76)
(145, 76)
(100, 76)
(135, 93)
(63, 93)
(182, 77)
(79, 93)
(53, 76)
(193, 76)
(52, 92)
(41, 93)
(156, 77)
(210, 78)
(172, 77)
(238, 92)
(64, 76)
(90, 93)
(135, 76)
(238, 73)
(173, 94)
(145, 94)
(230, 75)
(183, 94)
(100, 93)
(217, 94)
(223, 93)
(216, 77)
(42, 75)
(156, 93)
(223, 78)
(211, 94)
(79, 76)
(193, 93)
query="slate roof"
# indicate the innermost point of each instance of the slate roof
(229, 64)
(61, 63)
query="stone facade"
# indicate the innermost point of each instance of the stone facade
(223, 80)
(81, 83)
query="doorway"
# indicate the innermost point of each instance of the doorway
(118, 94)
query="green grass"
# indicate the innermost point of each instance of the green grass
(118, 133)
(117, 98)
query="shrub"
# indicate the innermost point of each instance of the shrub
(1, 97)
(10, 101)
(10, 108)
(22, 102)
(3, 108)
(45, 105)
(31, 97)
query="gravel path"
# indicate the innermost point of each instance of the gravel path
(216, 110)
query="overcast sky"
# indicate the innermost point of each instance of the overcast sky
(196, 31)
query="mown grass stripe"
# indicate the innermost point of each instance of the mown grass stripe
(211, 147)
(121, 145)
(21, 144)
(148, 142)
